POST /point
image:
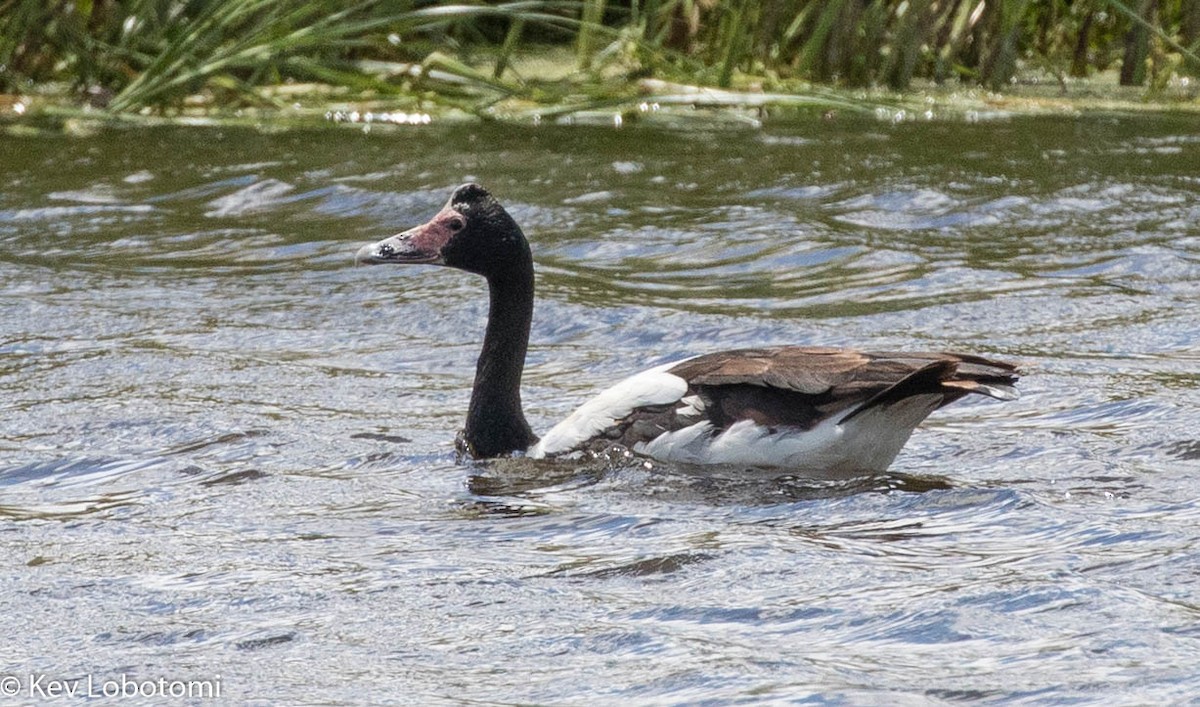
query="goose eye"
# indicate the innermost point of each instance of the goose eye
(456, 224)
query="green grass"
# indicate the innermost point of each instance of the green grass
(155, 55)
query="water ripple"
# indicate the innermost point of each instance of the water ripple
(223, 441)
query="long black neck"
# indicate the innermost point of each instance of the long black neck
(495, 422)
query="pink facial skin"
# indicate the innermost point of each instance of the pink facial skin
(422, 244)
(433, 236)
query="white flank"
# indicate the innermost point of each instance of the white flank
(867, 442)
(651, 387)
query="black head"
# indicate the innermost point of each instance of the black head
(472, 232)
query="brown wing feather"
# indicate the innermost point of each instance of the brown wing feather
(804, 370)
(799, 386)
(813, 370)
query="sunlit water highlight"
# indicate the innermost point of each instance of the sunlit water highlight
(225, 452)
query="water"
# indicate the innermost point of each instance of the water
(226, 454)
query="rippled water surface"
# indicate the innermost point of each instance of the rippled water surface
(227, 454)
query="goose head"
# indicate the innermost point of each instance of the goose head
(472, 232)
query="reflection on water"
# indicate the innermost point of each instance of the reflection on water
(223, 449)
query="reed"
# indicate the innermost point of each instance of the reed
(144, 53)
(131, 55)
(891, 42)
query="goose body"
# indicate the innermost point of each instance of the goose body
(832, 410)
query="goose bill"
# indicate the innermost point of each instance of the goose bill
(420, 245)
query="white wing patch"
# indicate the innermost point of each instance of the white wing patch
(652, 387)
(691, 406)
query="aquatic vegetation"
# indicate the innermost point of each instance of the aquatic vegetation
(859, 43)
(137, 55)
(126, 56)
